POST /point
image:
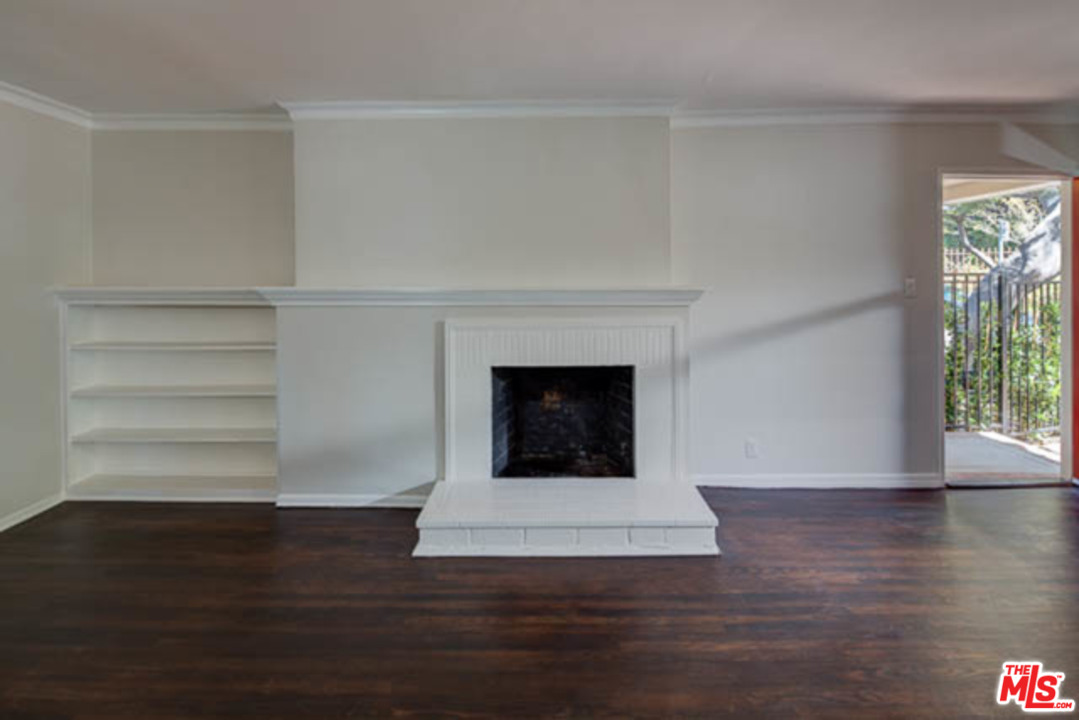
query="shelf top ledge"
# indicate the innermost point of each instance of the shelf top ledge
(308, 296)
(102, 295)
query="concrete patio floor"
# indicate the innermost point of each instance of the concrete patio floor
(989, 456)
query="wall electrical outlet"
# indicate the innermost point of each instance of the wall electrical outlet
(753, 450)
(910, 287)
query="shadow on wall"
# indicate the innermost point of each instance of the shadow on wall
(355, 466)
(814, 388)
(805, 236)
(750, 337)
(375, 453)
(383, 460)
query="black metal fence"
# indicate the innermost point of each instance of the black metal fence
(1002, 345)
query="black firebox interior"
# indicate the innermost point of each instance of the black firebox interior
(562, 421)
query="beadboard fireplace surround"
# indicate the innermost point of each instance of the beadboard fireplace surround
(380, 392)
(653, 347)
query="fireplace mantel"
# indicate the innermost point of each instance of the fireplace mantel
(613, 297)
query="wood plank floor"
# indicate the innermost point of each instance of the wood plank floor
(825, 604)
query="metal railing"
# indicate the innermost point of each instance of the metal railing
(1002, 345)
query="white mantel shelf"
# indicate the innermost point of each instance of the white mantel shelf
(292, 296)
(610, 298)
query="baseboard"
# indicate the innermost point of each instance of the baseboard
(805, 481)
(30, 511)
(298, 500)
(150, 497)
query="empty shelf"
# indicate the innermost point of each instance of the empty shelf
(192, 346)
(177, 435)
(159, 391)
(175, 487)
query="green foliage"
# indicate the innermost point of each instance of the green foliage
(1035, 361)
(1017, 354)
(982, 218)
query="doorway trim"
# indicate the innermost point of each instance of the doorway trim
(1069, 262)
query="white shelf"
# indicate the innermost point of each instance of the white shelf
(169, 394)
(174, 391)
(193, 346)
(149, 487)
(177, 435)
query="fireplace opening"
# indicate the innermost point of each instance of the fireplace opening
(562, 421)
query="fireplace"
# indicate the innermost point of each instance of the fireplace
(575, 421)
(565, 436)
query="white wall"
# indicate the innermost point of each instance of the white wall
(802, 237)
(44, 241)
(482, 202)
(199, 207)
(804, 343)
(360, 409)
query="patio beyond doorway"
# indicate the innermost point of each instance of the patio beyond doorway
(991, 459)
(1003, 308)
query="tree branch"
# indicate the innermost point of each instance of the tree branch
(959, 222)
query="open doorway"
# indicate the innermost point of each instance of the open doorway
(1003, 250)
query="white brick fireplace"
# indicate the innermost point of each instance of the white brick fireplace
(656, 512)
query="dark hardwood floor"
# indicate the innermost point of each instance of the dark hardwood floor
(825, 604)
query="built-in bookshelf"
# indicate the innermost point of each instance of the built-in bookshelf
(169, 395)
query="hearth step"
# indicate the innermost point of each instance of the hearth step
(565, 517)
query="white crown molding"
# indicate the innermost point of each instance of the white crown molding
(519, 109)
(678, 117)
(35, 102)
(808, 481)
(192, 121)
(669, 297)
(870, 116)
